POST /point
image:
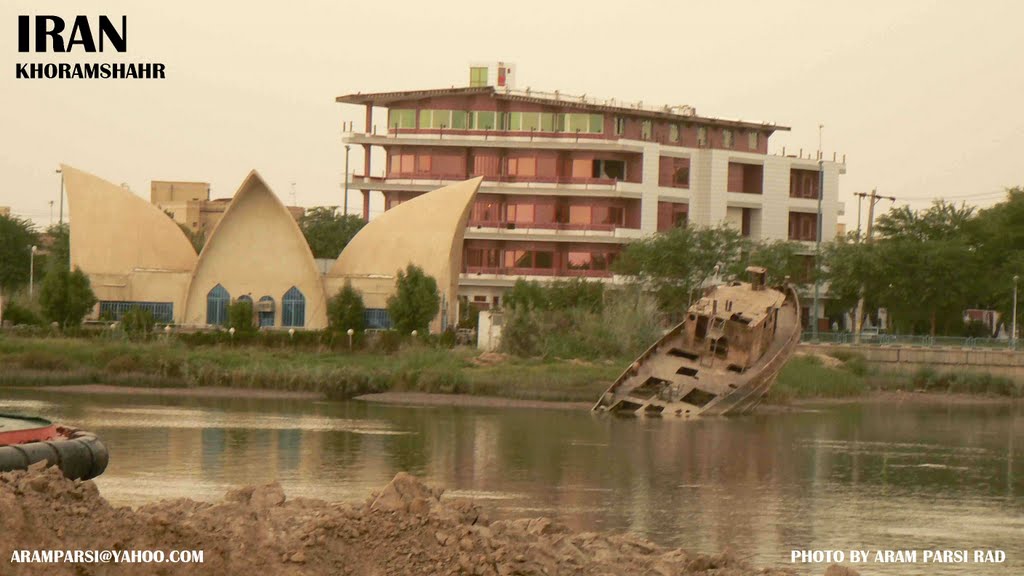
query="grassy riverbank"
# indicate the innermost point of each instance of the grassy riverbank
(414, 368)
(417, 368)
(848, 375)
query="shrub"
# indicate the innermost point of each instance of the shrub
(527, 294)
(521, 333)
(65, 296)
(626, 326)
(240, 317)
(415, 301)
(447, 339)
(852, 361)
(575, 293)
(345, 310)
(18, 314)
(42, 360)
(137, 322)
(388, 341)
(124, 363)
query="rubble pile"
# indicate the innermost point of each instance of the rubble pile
(406, 529)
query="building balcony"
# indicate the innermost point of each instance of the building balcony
(539, 272)
(507, 277)
(590, 187)
(495, 139)
(555, 232)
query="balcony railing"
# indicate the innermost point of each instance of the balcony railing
(504, 224)
(542, 181)
(507, 271)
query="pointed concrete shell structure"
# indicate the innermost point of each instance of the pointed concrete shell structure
(427, 231)
(257, 250)
(130, 250)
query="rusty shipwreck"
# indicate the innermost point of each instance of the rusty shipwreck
(720, 360)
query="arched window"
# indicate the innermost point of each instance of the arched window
(293, 308)
(217, 305)
(245, 298)
(266, 311)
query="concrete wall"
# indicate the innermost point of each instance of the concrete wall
(909, 359)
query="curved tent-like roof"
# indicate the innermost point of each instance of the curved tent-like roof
(117, 232)
(427, 230)
(257, 250)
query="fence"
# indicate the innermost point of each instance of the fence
(871, 339)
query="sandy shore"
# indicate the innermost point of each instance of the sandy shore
(424, 399)
(901, 397)
(185, 392)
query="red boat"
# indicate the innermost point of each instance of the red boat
(26, 441)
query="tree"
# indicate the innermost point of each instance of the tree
(345, 310)
(197, 239)
(17, 237)
(60, 246)
(781, 258)
(327, 232)
(556, 295)
(415, 302)
(526, 294)
(677, 262)
(924, 268)
(65, 296)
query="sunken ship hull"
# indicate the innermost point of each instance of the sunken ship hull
(719, 361)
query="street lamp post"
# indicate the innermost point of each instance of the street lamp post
(1013, 334)
(31, 270)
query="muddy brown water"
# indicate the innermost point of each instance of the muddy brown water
(873, 476)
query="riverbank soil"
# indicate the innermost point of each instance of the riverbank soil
(406, 529)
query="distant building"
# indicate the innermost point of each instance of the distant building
(5, 210)
(135, 256)
(189, 204)
(568, 180)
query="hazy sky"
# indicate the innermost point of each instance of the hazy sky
(924, 98)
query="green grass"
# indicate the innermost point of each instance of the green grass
(808, 377)
(33, 361)
(338, 375)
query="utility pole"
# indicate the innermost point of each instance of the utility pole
(859, 198)
(345, 211)
(858, 322)
(817, 239)
(61, 172)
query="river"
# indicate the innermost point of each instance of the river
(877, 475)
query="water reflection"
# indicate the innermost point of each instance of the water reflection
(859, 476)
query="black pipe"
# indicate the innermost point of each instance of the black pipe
(80, 456)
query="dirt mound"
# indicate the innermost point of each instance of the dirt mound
(826, 360)
(406, 529)
(489, 359)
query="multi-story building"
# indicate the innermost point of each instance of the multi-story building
(568, 180)
(189, 204)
